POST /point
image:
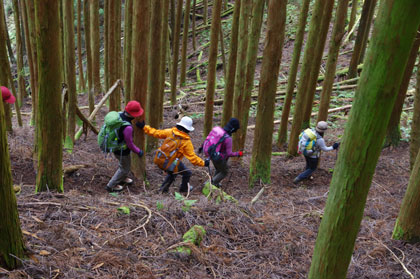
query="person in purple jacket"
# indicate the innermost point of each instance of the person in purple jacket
(221, 165)
(132, 110)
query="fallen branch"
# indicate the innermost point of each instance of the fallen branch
(86, 121)
(98, 106)
(149, 212)
(258, 195)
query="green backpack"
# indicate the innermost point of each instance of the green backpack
(108, 139)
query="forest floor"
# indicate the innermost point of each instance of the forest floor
(81, 233)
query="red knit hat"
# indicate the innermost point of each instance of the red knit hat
(134, 108)
(7, 96)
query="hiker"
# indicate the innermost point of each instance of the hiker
(7, 95)
(312, 153)
(121, 131)
(168, 157)
(218, 148)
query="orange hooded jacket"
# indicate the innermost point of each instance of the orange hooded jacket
(186, 147)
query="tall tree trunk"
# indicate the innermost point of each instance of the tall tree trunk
(164, 52)
(184, 43)
(407, 226)
(388, 52)
(11, 240)
(308, 60)
(49, 123)
(316, 65)
(86, 23)
(19, 54)
(362, 34)
(175, 49)
(8, 42)
(393, 134)
(205, 11)
(128, 33)
(28, 52)
(263, 134)
(335, 43)
(415, 124)
(155, 68)
(297, 48)
(112, 60)
(366, 35)
(230, 76)
(79, 45)
(70, 72)
(5, 69)
(211, 70)
(94, 45)
(139, 66)
(251, 62)
(30, 12)
(107, 26)
(246, 8)
(353, 13)
(194, 43)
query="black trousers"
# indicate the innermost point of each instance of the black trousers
(170, 178)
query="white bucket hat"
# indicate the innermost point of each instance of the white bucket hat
(186, 122)
(321, 127)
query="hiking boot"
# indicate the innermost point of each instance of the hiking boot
(164, 188)
(128, 180)
(296, 180)
(117, 188)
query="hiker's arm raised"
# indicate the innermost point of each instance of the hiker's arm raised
(128, 138)
(188, 151)
(160, 134)
(321, 145)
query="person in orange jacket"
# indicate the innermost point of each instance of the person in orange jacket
(186, 149)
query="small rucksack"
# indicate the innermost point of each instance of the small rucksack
(307, 141)
(167, 152)
(108, 139)
(212, 144)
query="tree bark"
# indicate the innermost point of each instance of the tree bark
(362, 32)
(246, 6)
(297, 48)
(28, 52)
(175, 49)
(335, 43)
(263, 134)
(230, 76)
(11, 240)
(70, 72)
(112, 65)
(49, 123)
(86, 23)
(251, 62)
(139, 66)
(94, 45)
(19, 53)
(165, 51)
(79, 46)
(394, 31)
(353, 13)
(128, 33)
(407, 226)
(194, 24)
(316, 65)
(155, 68)
(184, 43)
(211, 70)
(393, 134)
(303, 88)
(415, 124)
(205, 11)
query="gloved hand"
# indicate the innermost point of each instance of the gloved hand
(140, 153)
(200, 150)
(336, 145)
(140, 124)
(207, 162)
(240, 153)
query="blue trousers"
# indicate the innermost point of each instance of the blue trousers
(311, 165)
